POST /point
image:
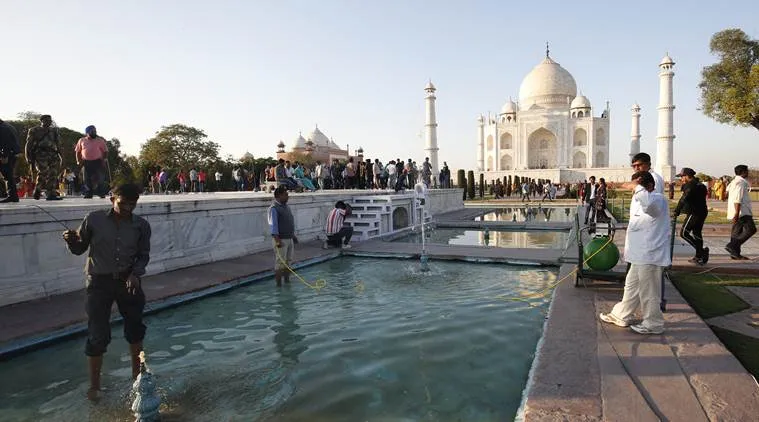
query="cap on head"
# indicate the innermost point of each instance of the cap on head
(686, 171)
(89, 129)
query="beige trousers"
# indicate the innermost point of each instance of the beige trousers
(642, 289)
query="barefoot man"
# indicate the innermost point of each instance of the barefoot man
(119, 250)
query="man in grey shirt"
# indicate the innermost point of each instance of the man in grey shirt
(119, 250)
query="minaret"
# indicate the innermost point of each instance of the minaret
(480, 143)
(665, 133)
(431, 129)
(635, 131)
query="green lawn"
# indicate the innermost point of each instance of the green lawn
(709, 297)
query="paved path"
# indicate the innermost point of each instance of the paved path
(587, 371)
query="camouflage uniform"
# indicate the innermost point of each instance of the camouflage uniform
(43, 150)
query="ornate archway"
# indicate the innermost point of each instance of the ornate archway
(580, 138)
(490, 164)
(506, 162)
(489, 143)
(542, 150)
(600, 159)
(579, 161)
(400, 218)
(506, 141)
(600, 136)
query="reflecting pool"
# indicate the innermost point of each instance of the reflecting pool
(502, 239)
(382, 341)
(531, 214)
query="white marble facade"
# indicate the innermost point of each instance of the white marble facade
(552, 127)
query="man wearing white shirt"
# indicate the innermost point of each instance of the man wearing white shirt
(590, 199)
(647, 249)
(739, 212)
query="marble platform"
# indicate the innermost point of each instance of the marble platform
(188, 230)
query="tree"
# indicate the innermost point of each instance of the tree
(730, 87)
(482, 185)
(180, 147)
(470, 184)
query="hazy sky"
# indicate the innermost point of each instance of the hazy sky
(251, 73)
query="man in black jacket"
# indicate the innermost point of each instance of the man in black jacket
(589, 198)
(693, 205)
(9, 148)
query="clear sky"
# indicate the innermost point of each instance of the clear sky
(253, 72)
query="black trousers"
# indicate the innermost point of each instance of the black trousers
(341, 237)
(94, 176)
(742, 231)
(7, 171)
(102, 291)
(590, 211)
(691, 232)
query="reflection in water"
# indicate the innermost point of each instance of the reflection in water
(501, 239)
(531, 214)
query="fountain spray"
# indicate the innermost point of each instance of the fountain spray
(420, 191)
(146, 401)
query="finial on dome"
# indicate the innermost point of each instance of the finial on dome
(548, 51)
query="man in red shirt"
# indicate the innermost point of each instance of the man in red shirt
(92, 151)
(201, 180)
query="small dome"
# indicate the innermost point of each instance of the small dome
(480, 119)
(509, 108)
(299, 142)
(547, 84)
(635, 107)
(667, 60)
(248, 156)
(580, 101)
(429, 86)
(281, 144)
(318, 138)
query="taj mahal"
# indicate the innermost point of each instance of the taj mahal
(555, 133)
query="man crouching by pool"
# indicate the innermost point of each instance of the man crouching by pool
(283, 236)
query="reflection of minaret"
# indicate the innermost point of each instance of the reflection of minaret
(665, 134)
(431, 128)
(635, 131)
(480, 143)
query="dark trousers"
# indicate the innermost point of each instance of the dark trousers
(93, 176)
(102, 291)
(7, 171)
(590, 211)
(691, 232)
(341, 237)
(742, 231)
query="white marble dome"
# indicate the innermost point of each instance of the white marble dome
(580, 101)
(299, 142)
(548, 84)
(509, 107)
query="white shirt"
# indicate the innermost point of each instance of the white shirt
(218, 176)
(737, 193)
(592, 192)
(659, 186)
(648, 232)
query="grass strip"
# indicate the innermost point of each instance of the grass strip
(708, 295)
(745, 348)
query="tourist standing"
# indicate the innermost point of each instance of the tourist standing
(217, 178)
(600, 201)
(350, 174)
(119, 250)
(201, 180)
(739, 212)
(693, 204)
(43, 154)
(9, 149)
(427, 173)
(338, 235)
(589, 198)
(282, 225)
(182, 180)
(193, 180)
(92, 151)
(647, 250)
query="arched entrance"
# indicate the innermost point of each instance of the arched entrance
(400, 218)
(579, 161)
(506, 162)
(581, 138)
(542, 150)
(600, 159)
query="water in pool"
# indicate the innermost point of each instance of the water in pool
(531, 214)
(382, 341)
(503, 239)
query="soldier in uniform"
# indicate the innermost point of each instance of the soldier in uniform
(43, 154)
